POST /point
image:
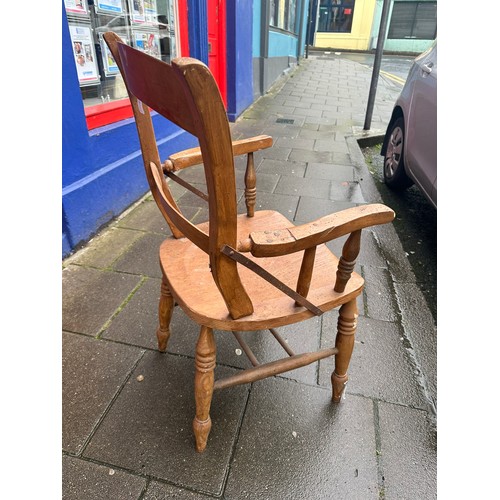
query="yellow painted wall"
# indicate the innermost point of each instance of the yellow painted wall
(359, 37)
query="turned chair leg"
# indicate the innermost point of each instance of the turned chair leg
(203, 386)
(346, 328)
(165, 310)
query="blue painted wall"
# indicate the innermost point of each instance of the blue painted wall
(281, 44)
(256, 31)
(198, 29)
(239, 58)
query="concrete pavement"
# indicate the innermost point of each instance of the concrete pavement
(127, 409)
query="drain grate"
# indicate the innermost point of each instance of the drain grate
(284, 120)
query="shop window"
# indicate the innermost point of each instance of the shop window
(283, 14)
(146, 25)
(417, 20)
(335, 16)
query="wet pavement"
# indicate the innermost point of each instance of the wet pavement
(127, 409)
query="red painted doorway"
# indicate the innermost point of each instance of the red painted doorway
(217, 44)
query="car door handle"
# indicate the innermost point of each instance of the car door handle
(427, 68)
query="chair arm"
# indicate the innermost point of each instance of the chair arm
(193, 156)
(271, 243)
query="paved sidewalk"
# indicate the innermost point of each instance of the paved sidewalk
(127, 409)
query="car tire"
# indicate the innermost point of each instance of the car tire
(394, 169)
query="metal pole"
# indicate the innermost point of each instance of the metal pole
(301, 30)
(376, 64)
(308, 34)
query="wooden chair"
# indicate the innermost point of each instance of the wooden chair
(245, 272)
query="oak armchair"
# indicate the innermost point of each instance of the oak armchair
(243, 272)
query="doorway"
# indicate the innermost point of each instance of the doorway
(217, 44)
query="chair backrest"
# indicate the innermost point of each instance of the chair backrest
(185, 92)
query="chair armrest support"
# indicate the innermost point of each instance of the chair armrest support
(294, 239)
(190, 157)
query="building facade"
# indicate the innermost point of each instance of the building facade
(247, 44)
(354, 25)
(411, 27)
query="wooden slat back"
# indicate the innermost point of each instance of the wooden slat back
(185, 92)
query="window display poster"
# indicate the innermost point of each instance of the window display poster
(83, 50)
(114, 6)
(108, 61)
(137, 14)
(148, 42)
(150, 11)
(76, 6)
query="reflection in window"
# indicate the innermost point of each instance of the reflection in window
(282, 14)
(147, 25)
(335, 16)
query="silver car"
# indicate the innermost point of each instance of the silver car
(409, 147)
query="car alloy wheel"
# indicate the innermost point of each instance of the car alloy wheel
(394, 170)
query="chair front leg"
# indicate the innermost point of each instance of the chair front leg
(203, 386)
(165, 310)
(346, 328)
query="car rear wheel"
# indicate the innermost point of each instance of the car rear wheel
(394, 170)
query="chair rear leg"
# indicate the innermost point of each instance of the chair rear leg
(203, 386)
(344, 342)
(165, 310)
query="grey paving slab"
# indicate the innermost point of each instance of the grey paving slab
(274, 153)
(331, 108)
(317, 134)
(297, 103)
(283, 203)
(308, 113)
(329, 145)
(146, 217)
(346, 191)
(83, 480)
(309, 155)
(91, 297)
(148, 428)
(341, 158)
(92, 373)
(265, 182)
(201, 215)
(408, 453)
(286, 130)
(280, 167)
(330, 171)
(301, 143)
(189, 199)
(137, 322)
(294, 443)
(313, 208)
(142, 257)
(380, 366)
(380, 298)
(163, 491)
(104, 249)
(296, 186)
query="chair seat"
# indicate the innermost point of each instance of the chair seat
(187, 271)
